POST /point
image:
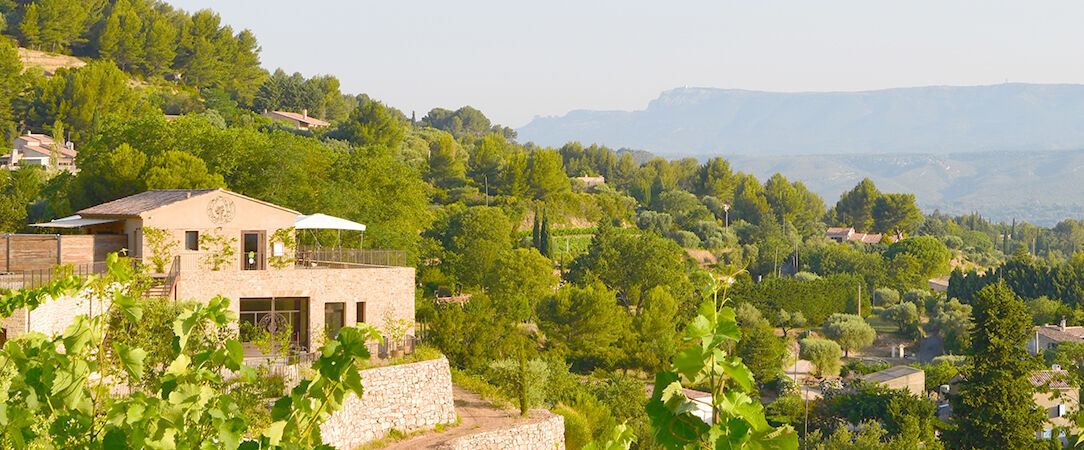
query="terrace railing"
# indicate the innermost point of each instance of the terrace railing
(309, 257)
(41, 277)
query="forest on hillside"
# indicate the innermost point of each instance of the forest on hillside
(598, 286)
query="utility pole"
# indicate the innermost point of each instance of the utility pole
(859, 299)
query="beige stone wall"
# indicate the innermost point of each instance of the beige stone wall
(51, 317)
(404, 397)
(192, 215)
(1049, 405)
(915, 382)
(385, 290)
(547, 433)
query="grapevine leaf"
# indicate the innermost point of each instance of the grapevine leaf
(273, 432)
(132, 358)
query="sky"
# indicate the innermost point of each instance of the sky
(515, 60)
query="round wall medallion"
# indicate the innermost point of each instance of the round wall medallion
(220, 210)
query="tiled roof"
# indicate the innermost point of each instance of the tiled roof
(1054, 332)
(311, 121)
(1057, 379)
(133, 205)
(838, 232)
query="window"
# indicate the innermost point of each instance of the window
(191, 240)
(361, 312)
(334, 316)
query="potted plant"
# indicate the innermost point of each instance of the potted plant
(394, 332)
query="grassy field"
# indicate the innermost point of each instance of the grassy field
(880, 324)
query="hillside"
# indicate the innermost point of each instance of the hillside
(47, 62)
(704, 122)
(1043, 187)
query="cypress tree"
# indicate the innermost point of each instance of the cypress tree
(994, 407)
(544, 242)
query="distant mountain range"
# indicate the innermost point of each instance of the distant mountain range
(1041, 187)
(1005, 151)
(704, 122)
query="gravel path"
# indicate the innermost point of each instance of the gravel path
(475, 416)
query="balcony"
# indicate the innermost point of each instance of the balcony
(315, 258)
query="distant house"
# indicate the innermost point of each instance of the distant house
(592, 181)
(302, 121)
(900, 377)
(1046, 337)
(1061, 399)
(1054, 393)
(38, 150)
(840, 234)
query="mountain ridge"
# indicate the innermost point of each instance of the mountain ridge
(706, 122)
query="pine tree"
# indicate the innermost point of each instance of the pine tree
(30, 28)
(158, 45)
(994, 407)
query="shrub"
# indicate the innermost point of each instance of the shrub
(953, 242)
(916, 296)
(655, 222)
(862, 368)
(885, 296)
(806, 276)
(904, 314)
(505, 374)
(823, 353)
(685, 239)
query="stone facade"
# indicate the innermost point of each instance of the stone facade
(386, 291)
(547, 433)
(404, 397)
(52, 316)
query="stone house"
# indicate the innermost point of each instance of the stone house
(1056, 396)
(1046, 337)
(900, 377)
(39, 150)
(212, 242)
(841, 235)
(301, 121)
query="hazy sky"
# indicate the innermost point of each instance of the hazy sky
(515, 60)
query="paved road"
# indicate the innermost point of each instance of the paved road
(931, 347)
(475, 416)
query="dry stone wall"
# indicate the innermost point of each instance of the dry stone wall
(547, 433)
(404, 397)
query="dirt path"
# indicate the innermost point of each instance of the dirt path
(475, 416)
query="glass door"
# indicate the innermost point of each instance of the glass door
(252, 255)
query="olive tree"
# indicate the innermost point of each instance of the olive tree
(823, 353)
(850, 331)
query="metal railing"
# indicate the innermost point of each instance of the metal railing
(30, 279)
(309, 257)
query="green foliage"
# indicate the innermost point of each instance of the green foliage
(518, 280)
(816, 299)
(931, 254)
(474, 239)
(471, 334)
(629, 264)
(586, 323)
(855, 208)
(862, 368)
(895, 214)
(952, 321)
(161, 245)
(286, 237)
(218, 249)
(994, 406)
(823, 353)
(505, 374)
(56, 403)
(737, 420)
(904, 314)
(893, 408)
(850, 331)
(179, 170)
(762, 351)
(656, 327)
(886, 296)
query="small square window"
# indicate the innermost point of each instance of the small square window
(191, 240)
(361, 312)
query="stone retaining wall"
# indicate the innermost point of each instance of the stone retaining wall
(404, 397)
(547, 433)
